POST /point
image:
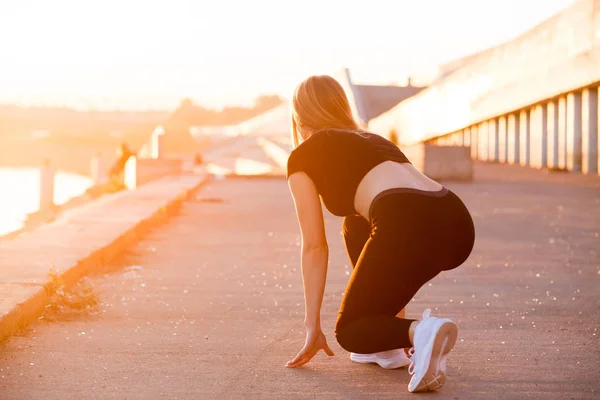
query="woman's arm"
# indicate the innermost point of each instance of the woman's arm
(314, 245)
(314, 263)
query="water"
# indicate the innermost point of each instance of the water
(19, 194)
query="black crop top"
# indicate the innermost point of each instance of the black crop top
(336, 160)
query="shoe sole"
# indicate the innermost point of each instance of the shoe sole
(444, 341)
(391, 363)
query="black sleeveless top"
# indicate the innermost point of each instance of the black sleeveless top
(336, 160)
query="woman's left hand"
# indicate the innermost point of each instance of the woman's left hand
(315, 341)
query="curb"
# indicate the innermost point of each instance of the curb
(32, 307)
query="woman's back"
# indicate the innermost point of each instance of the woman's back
(348, 168)
(390, 175)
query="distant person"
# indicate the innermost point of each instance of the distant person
(401, 229)
(123, 155)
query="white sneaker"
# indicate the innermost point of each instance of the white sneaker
(433, 340)
(390, 359)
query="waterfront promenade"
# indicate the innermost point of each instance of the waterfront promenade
(209, 303)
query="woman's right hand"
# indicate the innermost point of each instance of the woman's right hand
(315, 341)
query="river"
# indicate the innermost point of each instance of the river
(19, 194)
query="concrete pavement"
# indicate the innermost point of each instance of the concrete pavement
(211, 306)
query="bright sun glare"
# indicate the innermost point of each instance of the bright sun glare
(149, 54)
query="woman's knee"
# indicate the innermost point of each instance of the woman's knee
(343, 337)
(353, 336)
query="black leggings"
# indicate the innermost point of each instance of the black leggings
(412, 236)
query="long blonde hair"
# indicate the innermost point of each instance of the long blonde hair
(320, 103)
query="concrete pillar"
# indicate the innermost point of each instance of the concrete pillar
(502, 138)
(459, 138)
(574, 142)
(47, 174)
(99, 169)
(493, 131)
(538, 136)
(590, 144)
(456, 139)
(562, 132)
(158, 142)
(553, 131)
(474, 142)
(130, 173)
(482, 141)
(512, 140)
(466, 137)
(524, 137)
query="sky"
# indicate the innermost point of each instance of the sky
(149, 54)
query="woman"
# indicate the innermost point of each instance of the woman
(401, 229)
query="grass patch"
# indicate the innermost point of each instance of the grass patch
(69, 303)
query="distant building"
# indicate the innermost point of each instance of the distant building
(370, 101)
(379, 99)
(367, 102)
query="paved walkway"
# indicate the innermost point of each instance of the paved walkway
(210, 306)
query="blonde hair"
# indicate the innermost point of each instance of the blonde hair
(320, 103)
